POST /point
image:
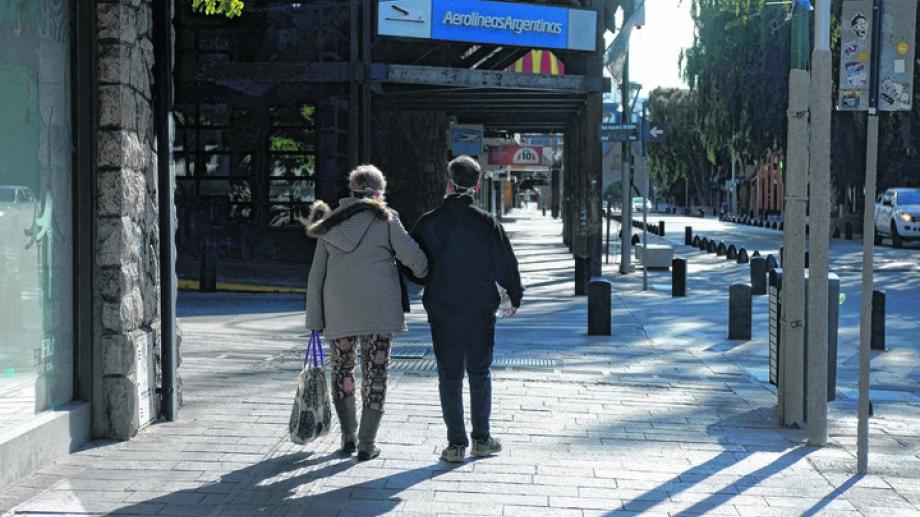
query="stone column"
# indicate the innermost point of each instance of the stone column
(127, 283)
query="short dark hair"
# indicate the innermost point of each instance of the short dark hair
(464, 171)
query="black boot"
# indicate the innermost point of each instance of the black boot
(345, 409)
(367, 433)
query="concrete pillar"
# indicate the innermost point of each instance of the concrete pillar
(126, 273)
(599, 291)
(679, 277)
(739, 311)
(758, 276)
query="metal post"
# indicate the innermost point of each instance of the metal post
(169, 359)
(643, 128)
(865, 316)
(792, 374)
(819, 220)
(626, 210)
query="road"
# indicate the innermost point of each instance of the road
(896, 273)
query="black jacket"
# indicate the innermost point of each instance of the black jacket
(468, 252)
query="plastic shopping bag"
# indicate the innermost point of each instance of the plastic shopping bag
(311, 416)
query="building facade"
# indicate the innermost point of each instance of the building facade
(140, 139)
(80, 271)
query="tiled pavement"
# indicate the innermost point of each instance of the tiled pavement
(663, 418)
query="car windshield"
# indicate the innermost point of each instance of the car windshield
(7, 195)
(909, 197)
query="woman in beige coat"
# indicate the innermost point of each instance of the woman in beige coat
(354, 297)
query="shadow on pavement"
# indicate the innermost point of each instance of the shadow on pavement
(273, 487)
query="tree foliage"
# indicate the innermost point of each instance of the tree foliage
(682, 157)
(228, 8)
(738, 65)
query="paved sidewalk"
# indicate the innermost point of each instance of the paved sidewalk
(659, 419)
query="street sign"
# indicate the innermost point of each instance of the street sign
(656, 132)
(619, 132)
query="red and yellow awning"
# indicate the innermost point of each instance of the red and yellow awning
(539, 62)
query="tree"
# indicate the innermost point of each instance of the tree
(682, 157)
(228, 8)
(739, 65)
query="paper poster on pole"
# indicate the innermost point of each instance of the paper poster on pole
(896, 59)
(896, 63)
(855, 50)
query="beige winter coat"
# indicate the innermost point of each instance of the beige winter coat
(353, 288)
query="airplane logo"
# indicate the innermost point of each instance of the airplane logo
(468, 136)
(404, 15)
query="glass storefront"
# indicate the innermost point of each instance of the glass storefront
(36, 206)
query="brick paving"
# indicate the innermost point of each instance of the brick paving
(662, 418)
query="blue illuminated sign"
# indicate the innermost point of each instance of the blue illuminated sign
(483, 21)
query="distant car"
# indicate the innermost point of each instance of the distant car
(638, 206)
(897, 216)
(16, 202)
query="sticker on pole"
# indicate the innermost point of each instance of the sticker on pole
(896, 55)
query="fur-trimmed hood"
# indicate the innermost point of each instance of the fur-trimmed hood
(345, 226)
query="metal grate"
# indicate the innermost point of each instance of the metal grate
(409, 351)
(421, 364)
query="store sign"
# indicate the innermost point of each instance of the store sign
(481, 21)
(516, 155)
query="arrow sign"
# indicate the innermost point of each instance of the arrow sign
(654, 131)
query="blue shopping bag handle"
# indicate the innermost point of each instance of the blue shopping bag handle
(316, 344)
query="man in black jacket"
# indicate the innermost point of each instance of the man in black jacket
(468, 253)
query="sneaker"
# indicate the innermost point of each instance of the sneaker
(483, 448)
(454, 453)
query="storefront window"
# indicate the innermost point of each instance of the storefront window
(36, 238)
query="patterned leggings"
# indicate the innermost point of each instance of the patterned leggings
(375, 359)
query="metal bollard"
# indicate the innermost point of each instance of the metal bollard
(731, 253)
(696, 241)
(208, 275)
(742, 256)
(721, 249)
(877, 340)
(582, 275)
(661, 228)
(678, 277)
(688, 235)
(739, 311)
(599, 307)
(755, 254)
(758, 276)
(635, 240)
(771, 262)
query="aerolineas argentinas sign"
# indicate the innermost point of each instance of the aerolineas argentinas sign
(479, 21)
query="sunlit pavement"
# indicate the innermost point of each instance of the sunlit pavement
(666, 417)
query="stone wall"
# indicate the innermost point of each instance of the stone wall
(411, 150)
(127, 294)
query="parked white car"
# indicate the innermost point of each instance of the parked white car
(897, 216)
(638, 206)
